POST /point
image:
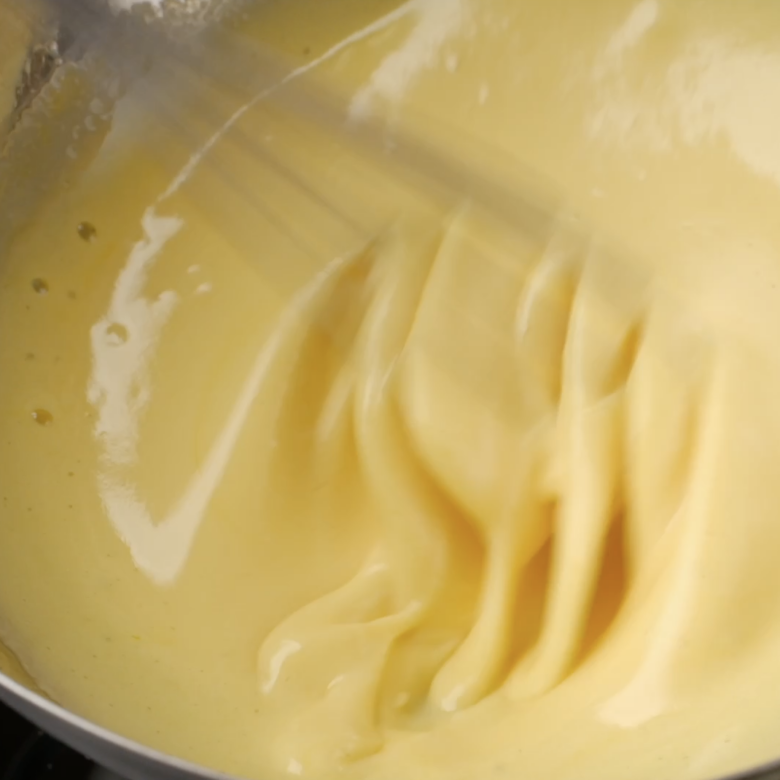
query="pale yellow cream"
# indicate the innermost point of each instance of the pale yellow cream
(307, 473)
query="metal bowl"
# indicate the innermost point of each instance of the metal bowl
(41, 49)
(135, 761)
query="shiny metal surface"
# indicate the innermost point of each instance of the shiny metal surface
(127, 758)
(136, 762)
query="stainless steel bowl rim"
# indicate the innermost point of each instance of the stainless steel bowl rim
(15, 693)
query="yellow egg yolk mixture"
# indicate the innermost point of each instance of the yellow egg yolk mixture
(306, 473)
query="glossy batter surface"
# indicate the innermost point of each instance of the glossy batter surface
(304, 473)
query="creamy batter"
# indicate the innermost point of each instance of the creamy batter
(306, 473)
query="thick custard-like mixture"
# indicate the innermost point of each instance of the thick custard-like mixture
(306, 473)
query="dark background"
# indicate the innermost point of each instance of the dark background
(28, 754)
